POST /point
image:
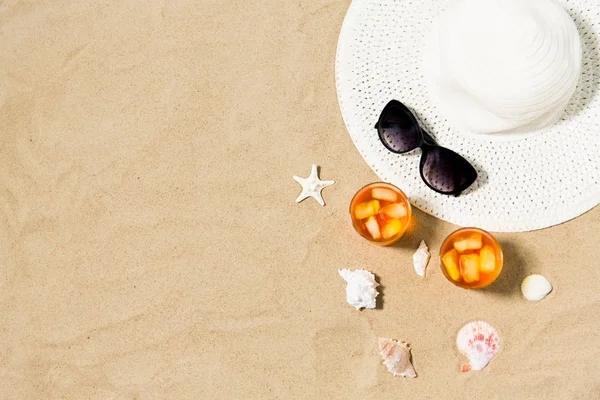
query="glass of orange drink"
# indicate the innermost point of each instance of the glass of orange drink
(471, 258)
(380, 213)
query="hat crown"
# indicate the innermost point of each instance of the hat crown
(504, 66)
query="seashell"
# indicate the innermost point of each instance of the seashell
(396, 357)
(478, 341)
(421, 259)
(515, 75)
(360, 290)
(535, 287)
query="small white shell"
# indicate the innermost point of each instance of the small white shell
(535, 287)
(396, 357)
(478, 341)
(360, 290)
(421, 259)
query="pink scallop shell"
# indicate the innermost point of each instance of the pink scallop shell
(478, 341)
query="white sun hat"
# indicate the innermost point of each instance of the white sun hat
(526, 181)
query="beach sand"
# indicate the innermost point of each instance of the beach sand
(151, 248)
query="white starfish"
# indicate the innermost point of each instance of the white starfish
(312, 186)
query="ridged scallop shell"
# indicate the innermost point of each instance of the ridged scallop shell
(516, 74)
(535, 287)
(421, 259)
(360, 288)
(396, 357)
(478, 341)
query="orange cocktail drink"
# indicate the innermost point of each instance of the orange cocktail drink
(380, 213)
(471, 258)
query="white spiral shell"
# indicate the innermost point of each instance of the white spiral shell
(421, 259)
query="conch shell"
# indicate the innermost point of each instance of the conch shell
(396, 357)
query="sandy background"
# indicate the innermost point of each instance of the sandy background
(150, 246)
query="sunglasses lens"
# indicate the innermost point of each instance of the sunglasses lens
(446, 171)
(397, 129)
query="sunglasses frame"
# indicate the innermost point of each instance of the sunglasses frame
(426, 143)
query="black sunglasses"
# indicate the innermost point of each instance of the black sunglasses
(443, 170)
